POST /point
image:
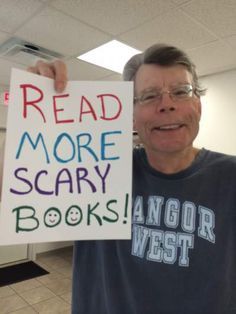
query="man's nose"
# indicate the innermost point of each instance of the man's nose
(166, 103)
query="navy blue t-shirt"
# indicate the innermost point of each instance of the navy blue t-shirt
(182, 255)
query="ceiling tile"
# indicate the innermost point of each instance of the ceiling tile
(212, 58)
(115, 16)
(172, 28)
(80, 70)
(56, 31)
(3, 37)
(15, 12)
(72, 27)
(178, 2)
(231, 40)
(218, 15)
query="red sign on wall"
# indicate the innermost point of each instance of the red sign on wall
(6, 98)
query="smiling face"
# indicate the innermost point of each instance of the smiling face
(52, 217)
(167, 126)
(74, 216)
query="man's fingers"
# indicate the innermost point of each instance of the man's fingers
(55, 70)
(42, 68)
(60, 73)
(32, 70)
(45, 69)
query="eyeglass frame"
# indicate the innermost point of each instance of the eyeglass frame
(138, 99)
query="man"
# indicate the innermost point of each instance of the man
(182, 256)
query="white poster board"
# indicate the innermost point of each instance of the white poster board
(68, 161)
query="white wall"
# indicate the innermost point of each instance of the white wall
(3, 116)
(218, 123)
(3, 89)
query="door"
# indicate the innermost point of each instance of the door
(13, 253)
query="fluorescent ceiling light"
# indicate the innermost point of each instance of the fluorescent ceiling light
(112, 55)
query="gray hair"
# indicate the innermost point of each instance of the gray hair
(164, 55)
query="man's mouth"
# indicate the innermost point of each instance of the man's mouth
(168, 127)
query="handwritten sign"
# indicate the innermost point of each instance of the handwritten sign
(68, 161)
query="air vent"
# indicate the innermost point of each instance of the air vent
(23, 52)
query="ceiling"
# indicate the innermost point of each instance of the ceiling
(206, 29)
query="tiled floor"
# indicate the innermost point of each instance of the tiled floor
(46, 294)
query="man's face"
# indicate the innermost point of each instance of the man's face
(166, 126)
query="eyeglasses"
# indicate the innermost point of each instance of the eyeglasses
(178, 93)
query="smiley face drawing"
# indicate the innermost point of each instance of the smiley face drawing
(73, 215)
(52, 217)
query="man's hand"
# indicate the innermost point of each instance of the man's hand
(55, 70)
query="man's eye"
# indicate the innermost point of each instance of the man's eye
(180, 92)
(149, 96)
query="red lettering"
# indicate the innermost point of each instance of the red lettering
(55, 109)
(32, 103)
(104, 112)
(90, 108)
